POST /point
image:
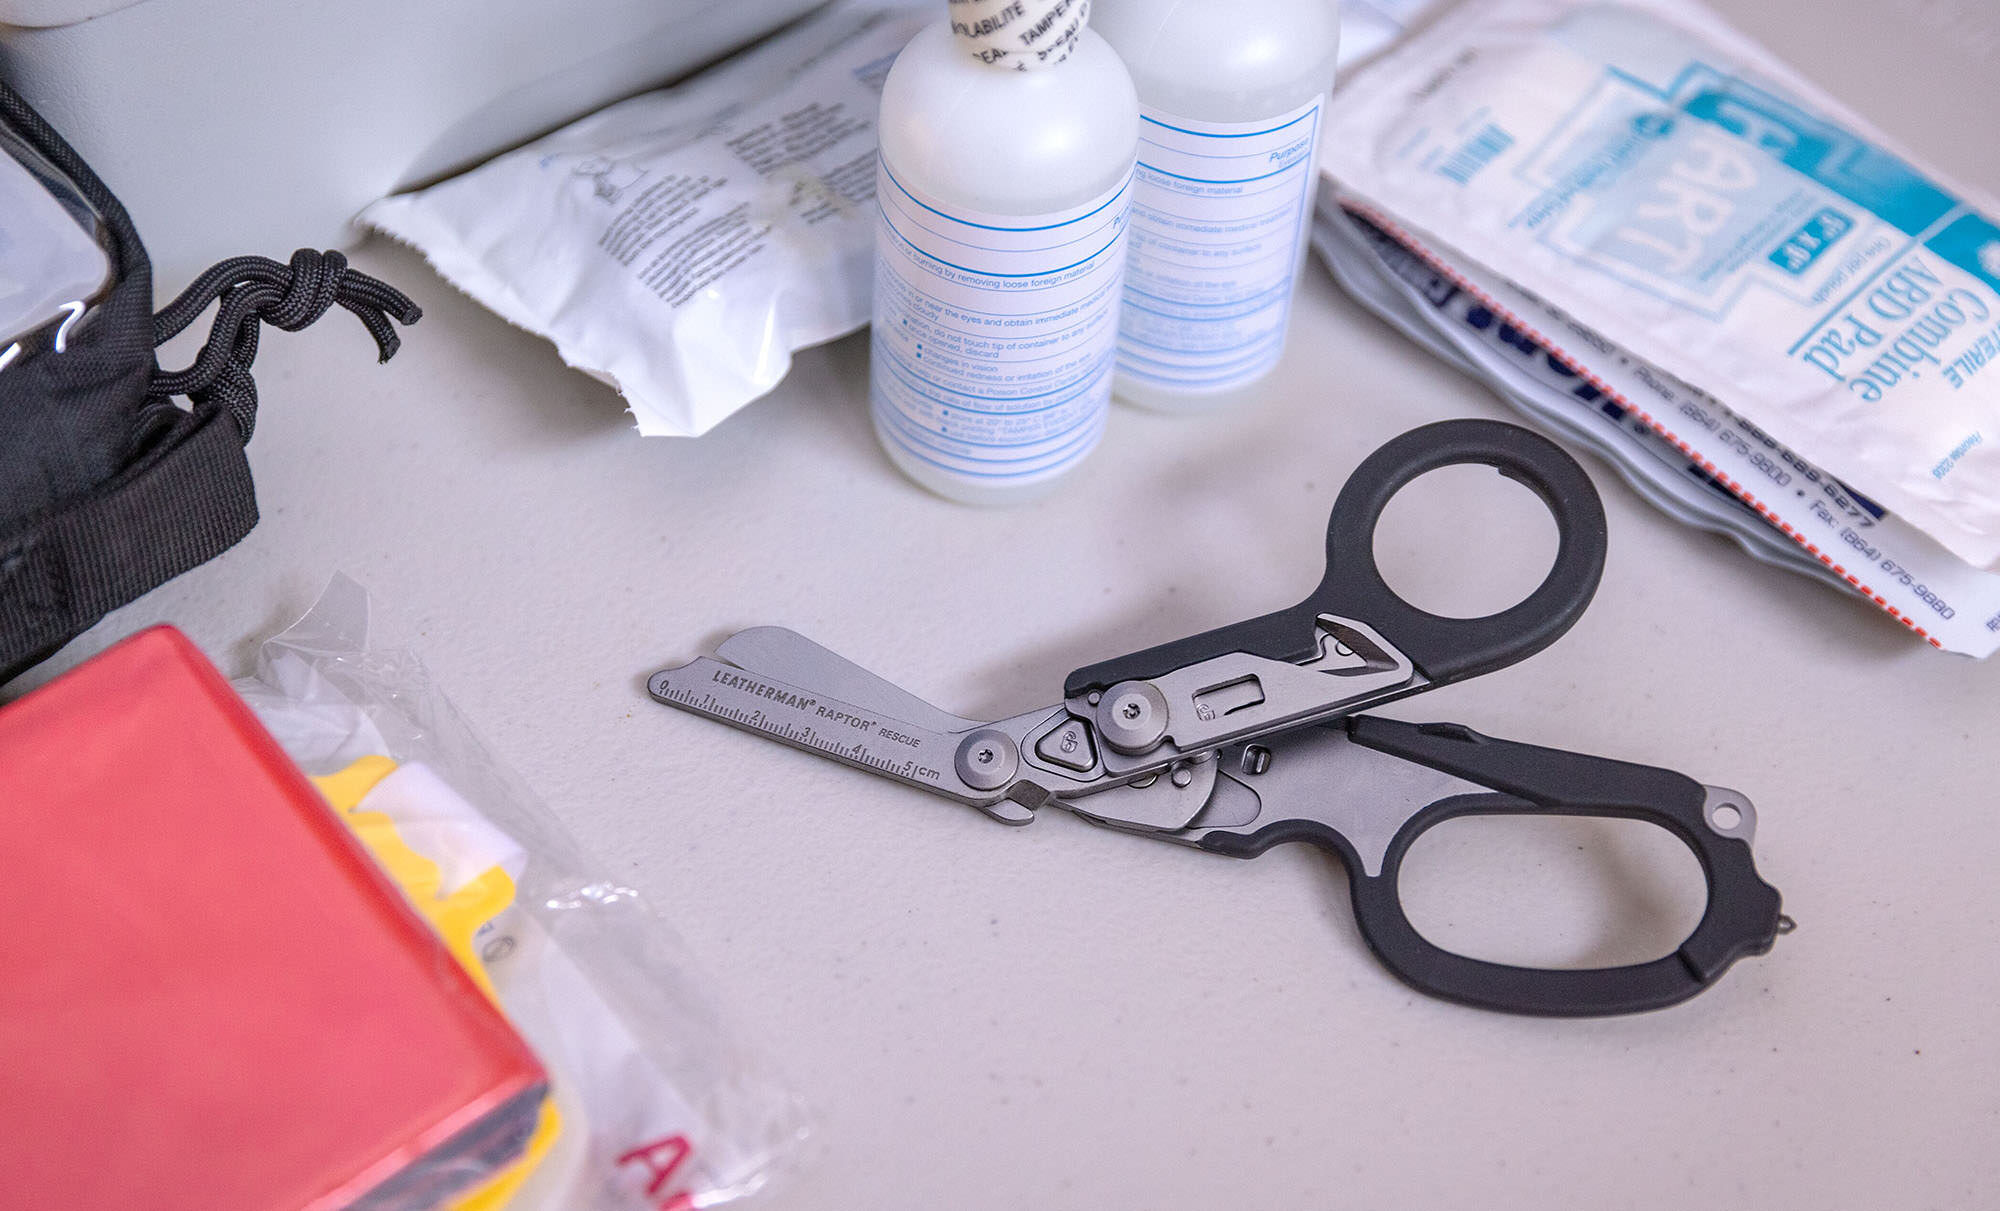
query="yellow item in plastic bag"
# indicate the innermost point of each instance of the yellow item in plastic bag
(456, 917)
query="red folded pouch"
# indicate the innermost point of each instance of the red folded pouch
(210, 997)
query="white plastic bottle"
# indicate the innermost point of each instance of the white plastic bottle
(1230, 93)
(1008, 138)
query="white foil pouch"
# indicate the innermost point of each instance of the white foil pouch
(1648, 170)
(683, 244)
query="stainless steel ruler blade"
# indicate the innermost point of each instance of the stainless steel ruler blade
(809, 720)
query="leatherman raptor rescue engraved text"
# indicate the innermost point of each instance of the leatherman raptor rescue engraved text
(1245, 737)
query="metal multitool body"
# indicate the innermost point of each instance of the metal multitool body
(1248, 736)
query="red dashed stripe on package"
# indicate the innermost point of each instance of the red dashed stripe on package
(1950, 604)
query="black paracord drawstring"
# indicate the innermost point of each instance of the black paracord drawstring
(255, 290)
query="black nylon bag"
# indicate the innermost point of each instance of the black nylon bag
(108, 488)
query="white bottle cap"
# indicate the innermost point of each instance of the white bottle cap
(1019, 34)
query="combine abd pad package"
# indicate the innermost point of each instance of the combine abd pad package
(683, 244)
(1648, 170)
(1684, 452)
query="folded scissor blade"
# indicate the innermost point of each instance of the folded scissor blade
(789, 656)
(807, 717)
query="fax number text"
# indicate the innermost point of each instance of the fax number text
(1897, 573)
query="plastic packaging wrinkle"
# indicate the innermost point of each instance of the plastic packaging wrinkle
(47, 260)
(661, 1105)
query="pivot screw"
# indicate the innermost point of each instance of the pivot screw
(987, 760)
(1132, 717)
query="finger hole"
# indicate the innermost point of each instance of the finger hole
(1465, 541)
(1558, 892)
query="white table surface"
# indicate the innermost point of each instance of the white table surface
(1065, 1017)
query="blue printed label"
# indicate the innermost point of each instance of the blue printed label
(995, 336)
(1805, 246)
(1218, 226)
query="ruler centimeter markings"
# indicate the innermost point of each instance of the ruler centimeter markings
(792, 716)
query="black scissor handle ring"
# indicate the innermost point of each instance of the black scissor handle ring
(1742, 916)
(1448, 649)
(1719, 938)
(1443, 649)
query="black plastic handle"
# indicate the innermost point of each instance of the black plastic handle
(1742, 916)
(1443, 649)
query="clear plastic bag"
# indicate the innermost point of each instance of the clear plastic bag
(662, 1107)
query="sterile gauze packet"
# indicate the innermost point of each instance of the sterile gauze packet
(1678, 448)
(681, 245)
(1659, 176)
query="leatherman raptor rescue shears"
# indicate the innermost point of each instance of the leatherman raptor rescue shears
(1247, 737)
